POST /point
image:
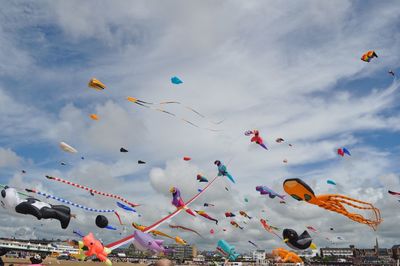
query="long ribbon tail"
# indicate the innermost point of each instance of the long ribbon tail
(119, 218)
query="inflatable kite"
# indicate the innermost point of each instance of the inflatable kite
(144, 242)
(92, 190)
(226, 250)
(286, 256)
(10, 200)
(208, 205)
(331, 182)
(256, 138)
(141, 162)
(205, 215)
(201, 178)
(187, 158)
(94, 117)
(178, 202)
(95, 247)
(368, 56)
(229, 214)
(269, 228)
(96, 84)
(394, 193)
(222, 171)
(251, 242)
(67, 148)
(175, 80)
(391, 72)
(312, 229)
(294, 241)
(332, 202)
(123, 149)
(244, 214)
(279, 140)
(102, 222)
(185, 228)
(235, 224)
(264, 190)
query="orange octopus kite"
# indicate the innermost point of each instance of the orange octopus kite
(332, 202)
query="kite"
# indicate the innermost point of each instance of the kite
(222, 171)
(123, 150)
(343, 151)
(102, 222)
(212, 231)
(205, 215)
(23, 171)
(269, 228)
(67, 148)
(144, 242)
(368, 56)
(331, 182)
(201, 178)
(295, 241)
(229, 214)
(95, 247)
(244, 214)
(246, 200)
(94, 117)
(312, 229)
(187, 158)
(227, 250)
(285, 161)
(141, 162)
(256, 138)
(235, 224)
(185, 228)
(126, 208)
(209, 205)
(92, 190)
(156, 232)
(96, 84)
(255, 245)
(10, 200)
(158, 107)
(279, 140)
(391, 72)
(332, 202)
(287, 256)
(178, 202)
(264, 190)
(394, 193)
(130, 238)
(175, 80)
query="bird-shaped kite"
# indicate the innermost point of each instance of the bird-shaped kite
(301, 191)
(256, 138)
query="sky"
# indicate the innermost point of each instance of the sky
(290, 69)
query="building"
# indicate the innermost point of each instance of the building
(337, 252)
(259, 255)
(182, 252)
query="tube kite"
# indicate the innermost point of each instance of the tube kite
(67, 148)
(92, 190)
(185, 228)
(235, 224)
(201, 178)
(222, 171)
(269, 228)
(332, 202)
(205, 215)
(256, 138)
(244, 214)
(178, 202)
(175, 80)
(96, 84)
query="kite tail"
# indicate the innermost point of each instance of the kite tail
(189, 211)
(228, 175)
(263, 145)
(335, 203)
(119, 218)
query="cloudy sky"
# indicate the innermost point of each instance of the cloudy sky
(291, 69)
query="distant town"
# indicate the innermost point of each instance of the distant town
(190, 255)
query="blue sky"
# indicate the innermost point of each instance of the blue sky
(290, 69)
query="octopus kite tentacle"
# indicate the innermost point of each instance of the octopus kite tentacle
(301, 191)
(335, 203)
(92, 190)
